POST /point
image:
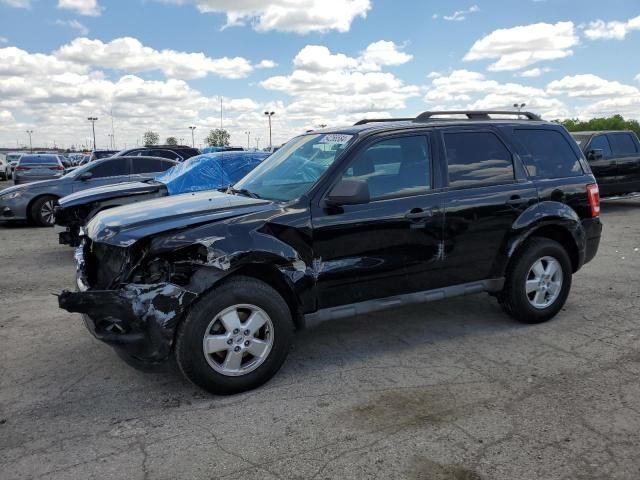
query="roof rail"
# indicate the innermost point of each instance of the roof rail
(475, 114)
(381, 120)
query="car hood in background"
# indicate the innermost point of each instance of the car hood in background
(25, 187)
(123, 226)
(108, 192)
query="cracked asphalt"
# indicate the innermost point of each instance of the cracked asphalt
(453, 390)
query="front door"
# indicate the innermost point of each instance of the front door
(605, 169)
(627, 154)
(390, 245)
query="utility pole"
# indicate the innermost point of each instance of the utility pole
(269, 115)
(193, 141)
(519, 106)
(113, 135)
(30, 132)
(248, 139)
(93, 126)
(257, 143)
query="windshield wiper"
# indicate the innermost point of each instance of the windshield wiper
(244, 191)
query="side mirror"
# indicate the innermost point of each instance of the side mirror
(595, 154)
(86, 176)
(349, 192)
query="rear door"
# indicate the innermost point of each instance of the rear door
(625, 148)
(391, 245)
(105, 172)
(605, 169)
(487, 191)
(145, 168)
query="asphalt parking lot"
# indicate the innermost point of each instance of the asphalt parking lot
(453, 390)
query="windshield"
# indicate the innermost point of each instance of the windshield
(295, 167)
(38, 159)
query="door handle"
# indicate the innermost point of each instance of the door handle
(418, 213)
(516, 200)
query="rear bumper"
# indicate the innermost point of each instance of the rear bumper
(593, 231)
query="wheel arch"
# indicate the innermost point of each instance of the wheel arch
(37, 197)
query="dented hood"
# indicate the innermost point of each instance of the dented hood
(123, 226)
(108, 192)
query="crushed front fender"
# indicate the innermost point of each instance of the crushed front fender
(140, 319)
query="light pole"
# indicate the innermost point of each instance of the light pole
(110, 135)
(248, 139)
(257, 143)
(519, 106)
(193, 141)
(269, 115)
(30, 144)
(93, 127)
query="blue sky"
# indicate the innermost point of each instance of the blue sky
(164, 64)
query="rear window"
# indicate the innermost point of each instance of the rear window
(547, 154)
(476, 159)
(38, 160)
(623, 144)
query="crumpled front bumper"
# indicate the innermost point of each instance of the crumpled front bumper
(138, 318)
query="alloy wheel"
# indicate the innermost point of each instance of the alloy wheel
(46, 212)
(544, 282)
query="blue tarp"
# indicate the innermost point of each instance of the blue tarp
(210, 171)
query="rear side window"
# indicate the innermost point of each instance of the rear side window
(397, 167)
(600, 142)
(547, 154)
(149, 165)
(623, 144)
(477, 158)
(164, 154)
(39, 160)
(111, 168)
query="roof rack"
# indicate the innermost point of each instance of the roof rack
(475, 114)
(382, 120)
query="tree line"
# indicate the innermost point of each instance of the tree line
(218, 137)
(616, 122)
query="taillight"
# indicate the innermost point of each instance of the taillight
(593, 193)
(57, 167)
(22, 168)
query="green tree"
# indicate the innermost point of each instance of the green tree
(151, 138)
(616, 122)
(171, 141)
(218, 138)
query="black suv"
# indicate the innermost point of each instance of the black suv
(336, 223)
(614, 157)
(172, 152)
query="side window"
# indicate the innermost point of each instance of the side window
(165, 154)
(146, 165)
(111, 168)
(600, 142)
(477, 158)
(396, 167)
(623, 144)
(547, 154)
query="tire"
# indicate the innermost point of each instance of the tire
(525, 271)
(42, 211)
(250, 302)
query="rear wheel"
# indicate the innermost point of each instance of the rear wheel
(538, 281)
(42, 211)
(235, 338)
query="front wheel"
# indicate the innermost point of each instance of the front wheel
(235, 338)
(538, 281)
(42, 211)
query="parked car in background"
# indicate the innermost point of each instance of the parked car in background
(337, 223)
(173, 152)
(13, 158)
(5, 169)
(98, 154)
(33, 167)
(36, 201)
(84, 159)
(202, 172)
(614, 157)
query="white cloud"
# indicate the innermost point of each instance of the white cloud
(130, 55)
(460, 15)
(588, 86)
(82, 7)
(74, 24)
(17, 3)
(534, 72)
(637, 78)
(601, 30)
(298, 16)
(333, 88)
(472, 90)
(518, 47)
(4, 40)
(266, 64)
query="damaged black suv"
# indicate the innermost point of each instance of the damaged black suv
(337, 223)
